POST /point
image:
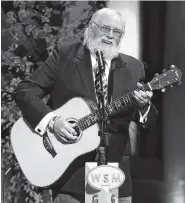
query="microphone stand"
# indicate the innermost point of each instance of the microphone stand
(103, 130)
(106, 194)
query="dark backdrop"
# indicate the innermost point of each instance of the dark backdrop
(153, 20)
(163, 44)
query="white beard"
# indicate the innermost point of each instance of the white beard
(110, 51)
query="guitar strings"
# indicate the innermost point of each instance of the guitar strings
(86, 122)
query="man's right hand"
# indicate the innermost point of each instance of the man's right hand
(64, 130)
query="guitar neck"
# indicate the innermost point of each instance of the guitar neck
(110, 109)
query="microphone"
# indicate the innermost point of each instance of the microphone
(100, 59)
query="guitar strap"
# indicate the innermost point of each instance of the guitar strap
(48, 145)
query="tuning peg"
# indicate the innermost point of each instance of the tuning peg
(163, 90)
(164, 70)
(156, 74)
(171, 86)
(172, 66)
(179, 83)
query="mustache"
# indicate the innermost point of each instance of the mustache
(108, 42)
(110, 50)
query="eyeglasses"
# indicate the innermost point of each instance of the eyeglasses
(107, 29)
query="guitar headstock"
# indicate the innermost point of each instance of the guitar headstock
(167, 78)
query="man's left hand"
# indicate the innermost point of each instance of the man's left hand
(143, 98)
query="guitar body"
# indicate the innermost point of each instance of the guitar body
(37, 164)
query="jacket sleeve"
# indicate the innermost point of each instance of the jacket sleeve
(29, 93)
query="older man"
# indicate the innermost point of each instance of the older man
(70, 72)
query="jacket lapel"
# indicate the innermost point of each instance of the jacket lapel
(84, 65)
(119, 76)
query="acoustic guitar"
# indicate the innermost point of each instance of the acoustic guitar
(44, 160)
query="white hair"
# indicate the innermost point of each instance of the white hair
(97, 16)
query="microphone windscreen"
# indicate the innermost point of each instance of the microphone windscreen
(98, 51)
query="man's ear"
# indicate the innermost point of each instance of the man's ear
(89, 30)
(119, 45)
(86, 34)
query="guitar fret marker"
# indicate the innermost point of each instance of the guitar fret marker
(110, 109)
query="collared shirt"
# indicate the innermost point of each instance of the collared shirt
(43, 124)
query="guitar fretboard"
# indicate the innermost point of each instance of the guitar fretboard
(110, 109)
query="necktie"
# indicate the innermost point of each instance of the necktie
(98, 87)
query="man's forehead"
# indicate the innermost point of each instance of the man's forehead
(107, 19)
(108, 16)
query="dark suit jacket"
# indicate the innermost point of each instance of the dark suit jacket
(67, 74)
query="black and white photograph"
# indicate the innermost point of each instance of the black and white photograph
(92, 101)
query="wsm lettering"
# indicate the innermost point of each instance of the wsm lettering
(106, 178)
(102, 176)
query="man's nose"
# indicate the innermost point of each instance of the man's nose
(110, 34)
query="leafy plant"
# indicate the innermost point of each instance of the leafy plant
(34, 29)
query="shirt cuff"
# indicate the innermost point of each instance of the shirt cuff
(43, 124)
(143, 118)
